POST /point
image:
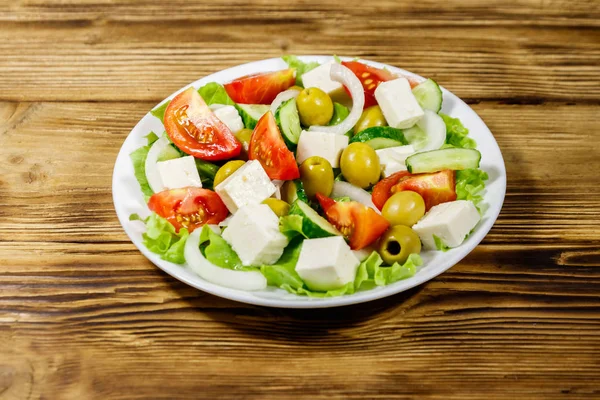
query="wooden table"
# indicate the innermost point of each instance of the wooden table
(83, 315)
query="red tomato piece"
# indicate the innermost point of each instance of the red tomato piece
(189, 207)
(371, 77)
(267, 146)
(196, 130)
(435, 188)
(260, 88)
(361, 224)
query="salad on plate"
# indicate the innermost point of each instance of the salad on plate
(319, 179)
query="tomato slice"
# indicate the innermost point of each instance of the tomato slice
(435, 188)
(260, 88)
(196, 130)
(383, 189)
(189, 207)
(267, 146)
(361, 224)
(371, 77)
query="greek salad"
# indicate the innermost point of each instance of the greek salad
(320, 179)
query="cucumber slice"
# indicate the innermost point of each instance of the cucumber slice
(429, 95)
(381, 137)
(428, 134)
(439, 160)
(313, 225)
(289, 121)
(169, 153)
(251, 113)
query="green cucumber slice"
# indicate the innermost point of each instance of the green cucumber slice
(428, 134)
(381, 137)
(251, 113)
(313, 225)
(289, 121)
(439, 160)
(429, 95)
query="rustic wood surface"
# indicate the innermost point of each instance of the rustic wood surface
(83, 315)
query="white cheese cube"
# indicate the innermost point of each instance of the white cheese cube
(323, 144)
(229, 116)
(250, 184)
(392, 159)
(451, 222)
(320, 78)
(398, 104)
(327, 263)
(179, 173)
(253, 233)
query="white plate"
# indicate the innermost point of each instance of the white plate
(128, 199)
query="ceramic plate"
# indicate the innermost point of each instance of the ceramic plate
(128, 199)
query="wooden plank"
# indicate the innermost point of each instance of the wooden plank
(103, 57)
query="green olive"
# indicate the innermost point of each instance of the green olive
(404, 208)
(289, 192)
(314, 106)
(279, 207)
(397, 243)
(370, 117)
(244, 135)
(317, 176)
(360, 165)
(226, 170)
(296, 87)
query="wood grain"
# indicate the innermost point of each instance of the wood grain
(83, 315)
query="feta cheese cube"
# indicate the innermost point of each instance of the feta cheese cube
(398, 104)
(392, 159)
(323, 144)
(253, 233)
(229, 116)
(250, 184)
(451, 222)
(326, 263)
(320, 78)
(179, 173)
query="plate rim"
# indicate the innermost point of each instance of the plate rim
(419, 278)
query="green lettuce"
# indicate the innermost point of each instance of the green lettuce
(456, 133)
(160, 238)
(138, 158)
(215, 93)
(369, 273)
(159, 112)
(340, 112)
(300, 66)
(218, 251)
(439, 244)
(470, 184)
(291, 226)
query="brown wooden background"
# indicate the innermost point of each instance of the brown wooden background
(83, 315)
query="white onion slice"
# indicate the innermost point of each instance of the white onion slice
(152, 174)
(363, 254)
(342, 74)
(278, 184)
(242, 280)
(283, 97)
(345, 189)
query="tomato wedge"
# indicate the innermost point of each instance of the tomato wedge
(260, 88)
(435, 188)
(361, 224)
(371, 77)
(189, 207)
(196, 130)
(267, 146)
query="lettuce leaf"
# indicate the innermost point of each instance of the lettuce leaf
(300, 66)
(456, 133)
(159, 112)
(160, 238)
(439, 244)
(218, 251)
(291, 226)
(138, 158)
(340, 112)
(470, 184)
(369, 274)
(215, 93)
